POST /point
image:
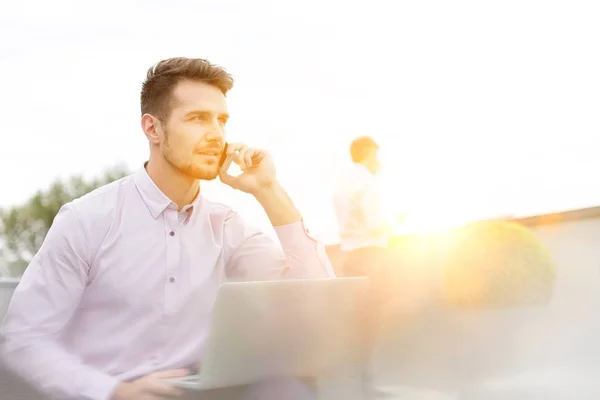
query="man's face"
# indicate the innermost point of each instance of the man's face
(193, 137)
(372, 160)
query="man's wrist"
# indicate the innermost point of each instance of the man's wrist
(277, 204)
(267, 191)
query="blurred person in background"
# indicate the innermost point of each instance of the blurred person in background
(121, 291)
(362, 224)
(364, 237)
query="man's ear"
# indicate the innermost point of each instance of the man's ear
(152, 128)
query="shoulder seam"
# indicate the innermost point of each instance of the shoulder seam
(73, 206)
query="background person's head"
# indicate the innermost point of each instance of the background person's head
(364, 150)
(184, 113)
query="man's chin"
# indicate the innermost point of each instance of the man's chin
(210, 177)
(205, 175)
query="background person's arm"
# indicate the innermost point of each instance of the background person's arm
(42, 305)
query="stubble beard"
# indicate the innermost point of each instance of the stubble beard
(188, 168)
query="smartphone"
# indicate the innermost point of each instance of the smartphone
(223, 156)
(226, 160)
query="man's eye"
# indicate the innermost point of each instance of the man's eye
(223, 121)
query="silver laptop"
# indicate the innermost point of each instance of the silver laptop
(291, 328)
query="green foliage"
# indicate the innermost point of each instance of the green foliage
(24, 227)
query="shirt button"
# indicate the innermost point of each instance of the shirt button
(171, 279)
(172, 233)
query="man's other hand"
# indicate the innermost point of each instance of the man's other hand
(150, 387)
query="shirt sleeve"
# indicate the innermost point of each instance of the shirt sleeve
(42, 305)
(255, 256)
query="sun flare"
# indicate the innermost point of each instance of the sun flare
(424, 209)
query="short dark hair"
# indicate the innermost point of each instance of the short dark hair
(360, 148)
(163, 76)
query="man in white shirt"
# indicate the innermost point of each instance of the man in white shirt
(364, 235)
(120, 293)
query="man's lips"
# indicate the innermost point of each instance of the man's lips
(215, 152)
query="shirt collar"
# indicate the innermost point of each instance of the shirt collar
(156, 201)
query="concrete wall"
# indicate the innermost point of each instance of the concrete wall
(576, 247)
(572, 316)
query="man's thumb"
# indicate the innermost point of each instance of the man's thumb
(227, 179)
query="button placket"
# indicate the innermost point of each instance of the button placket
(173, 254)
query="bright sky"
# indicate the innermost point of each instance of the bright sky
(482, 107)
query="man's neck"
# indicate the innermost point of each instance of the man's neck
(364, 165)
(180, 189)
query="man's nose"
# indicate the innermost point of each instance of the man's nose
(216, 134)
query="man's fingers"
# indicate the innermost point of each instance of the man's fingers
(173, 373)
(244, 156)
(240, 159)
(234, 147)
(155, 387)
(227, 179)
(163, 390)
(248, 158)
(236, 152)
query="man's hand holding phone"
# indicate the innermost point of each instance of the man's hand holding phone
(259, 178)
(258, 169)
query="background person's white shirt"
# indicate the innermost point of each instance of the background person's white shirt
(359, 210)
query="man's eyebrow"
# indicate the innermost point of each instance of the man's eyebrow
(197, 112)
(205, 112)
